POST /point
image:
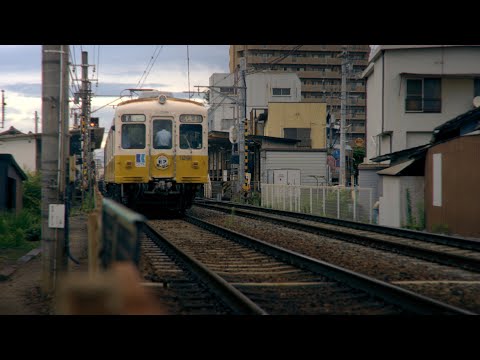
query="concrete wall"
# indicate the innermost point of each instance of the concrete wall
(393, 202)
(224, 111)
(260, 85)
(23, 149)
(259, 94)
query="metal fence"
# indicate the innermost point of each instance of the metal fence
(330, 201)
(121, 229)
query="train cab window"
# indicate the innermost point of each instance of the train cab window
(133, 136)
(162, 134)
(190, 136)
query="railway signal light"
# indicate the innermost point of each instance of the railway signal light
(94, 122)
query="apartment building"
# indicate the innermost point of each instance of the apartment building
(319, 70)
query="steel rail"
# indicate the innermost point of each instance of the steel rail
(443, 258)
(390, 293)
(233, 298)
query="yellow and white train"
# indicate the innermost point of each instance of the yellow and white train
(156, 153)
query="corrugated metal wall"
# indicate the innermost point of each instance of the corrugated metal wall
(460, 195)
(308, 162)
(368, 178)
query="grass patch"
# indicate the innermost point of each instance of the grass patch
(17, 230)
(20, 233)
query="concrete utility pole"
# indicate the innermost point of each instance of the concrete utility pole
(85, 121)
(36, 122)
(342, 178)
(54, 110)
(242, 104)
(3, 108)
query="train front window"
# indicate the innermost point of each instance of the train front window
(133, 136)
(162, 134)
(190, 136)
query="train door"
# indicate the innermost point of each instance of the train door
(162, 151)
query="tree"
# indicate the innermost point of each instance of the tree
(358, 156)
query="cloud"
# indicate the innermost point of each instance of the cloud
(20, 111)
(117, 67)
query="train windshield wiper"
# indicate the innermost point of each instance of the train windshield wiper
(188, 142)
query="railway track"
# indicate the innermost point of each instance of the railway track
(462, 253)
(251, 276)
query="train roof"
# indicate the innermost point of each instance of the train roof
(139, 100)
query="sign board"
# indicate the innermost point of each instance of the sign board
(56, 216)
(233, 134)
(359, 141)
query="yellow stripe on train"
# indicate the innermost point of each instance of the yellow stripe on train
(141, 169)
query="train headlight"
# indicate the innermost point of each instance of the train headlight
(169, 185)
(162, 99)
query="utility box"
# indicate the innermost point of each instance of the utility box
(284, 176)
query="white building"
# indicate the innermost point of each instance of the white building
(25, 148)
(262, 88)
(411, 89)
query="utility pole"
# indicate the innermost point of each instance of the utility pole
(342, 179)
(36, 122)
(242, 104)
(3, 108)
(85, 121)
(54, 104)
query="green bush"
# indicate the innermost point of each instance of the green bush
(32, 193)
(17, 230)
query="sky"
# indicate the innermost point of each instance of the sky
(115, 68)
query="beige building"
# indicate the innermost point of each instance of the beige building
(302, 121)
(319, 70)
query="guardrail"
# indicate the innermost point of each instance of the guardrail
(121, 228)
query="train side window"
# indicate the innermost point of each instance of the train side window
(133, 136)
(162, 134)
(190, 136)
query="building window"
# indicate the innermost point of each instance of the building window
(423, 95)
(301, 134)
(476, 87)
(281, 91)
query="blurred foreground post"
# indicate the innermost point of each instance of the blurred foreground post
(117, 291)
